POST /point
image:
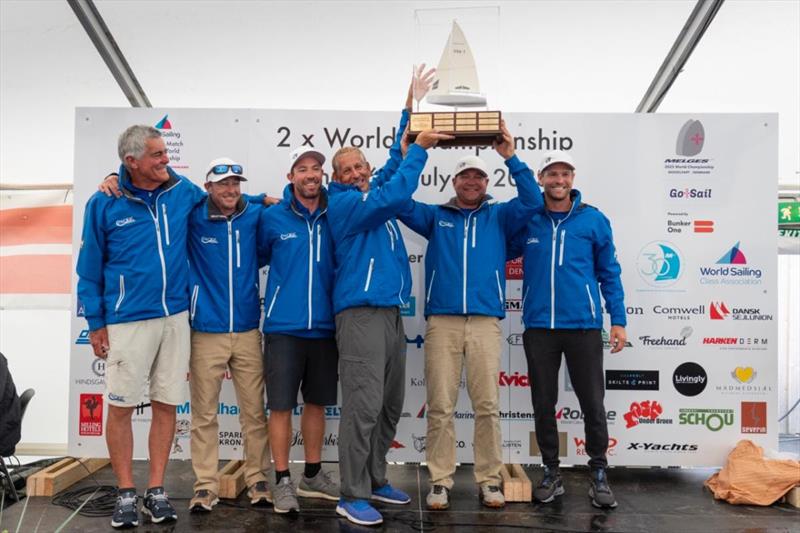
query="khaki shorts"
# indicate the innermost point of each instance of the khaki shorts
(154, 350)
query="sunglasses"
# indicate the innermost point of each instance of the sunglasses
(222, 169)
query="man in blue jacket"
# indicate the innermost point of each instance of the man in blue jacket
(299, 349)
(133, 281)
(224, 313)
(372, 280)
(568, 251)
(464, 303)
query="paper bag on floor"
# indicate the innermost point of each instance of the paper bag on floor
(748, 478)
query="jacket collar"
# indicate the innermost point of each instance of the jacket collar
(125, 181)
(451, 204)
(300, 209)
(215, 214)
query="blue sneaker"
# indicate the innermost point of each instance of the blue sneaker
(126, 512)
(389, 494)
(359, 512)
(157, 506)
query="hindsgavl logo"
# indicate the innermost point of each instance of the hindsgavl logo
(124, 221)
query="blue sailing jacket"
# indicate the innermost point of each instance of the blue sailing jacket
(223, 274)
(298, 246)
(564, 261)
(132, 263)
(465, 261)
(371, 259)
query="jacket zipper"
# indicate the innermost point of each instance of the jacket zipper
(195, 292)
(230, 277)
(310, 227)
(319, 240)
(553, 264)
(154, 216)
(591, 300)
(166, 221)
(430, 287)
(121, 293)
(238, 252)
(369, 273)
(464, 265)
(272, 303)
(474, 224)
(392, 235)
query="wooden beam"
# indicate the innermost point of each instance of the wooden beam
(231, 480)
(62, 475)
(516, 484)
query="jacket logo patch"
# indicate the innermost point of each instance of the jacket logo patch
(286, 236)
(532, 240)
(125, 221)
(445, 224)
(208, 240)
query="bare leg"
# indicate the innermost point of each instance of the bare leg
(119, 439)
(162, 432)
(312, 424)
(280, 431)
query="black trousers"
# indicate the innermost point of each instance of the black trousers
(583, 350)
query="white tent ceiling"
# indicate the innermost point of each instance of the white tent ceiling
(581, 56)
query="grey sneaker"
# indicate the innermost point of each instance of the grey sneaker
(259, 494)
(599, 491)
(284, 497)
(203, 501)
(319, 486)
(492, 496)
(550, 486)
(438, 497)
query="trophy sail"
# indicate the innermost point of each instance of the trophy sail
(457, 77)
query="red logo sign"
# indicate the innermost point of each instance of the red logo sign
(514, 268)
(395, 445)
(91, 415)
(580, 446)
(718, 311)
(514, 380)
(642, 410)
(703, 226)
(754, 417)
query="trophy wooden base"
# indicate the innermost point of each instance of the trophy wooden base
(470, 128)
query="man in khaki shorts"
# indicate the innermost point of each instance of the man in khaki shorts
(224, 314)
(133, 281)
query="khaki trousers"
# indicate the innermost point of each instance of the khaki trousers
(452, 342)
(211, 354)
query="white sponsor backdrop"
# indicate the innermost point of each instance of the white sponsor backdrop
(695, 236)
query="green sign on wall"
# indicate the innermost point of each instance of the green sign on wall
(788, 213)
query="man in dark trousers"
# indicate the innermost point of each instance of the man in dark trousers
(569, 259)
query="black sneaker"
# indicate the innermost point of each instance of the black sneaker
(125, 512)
(157, 506)
(550, 486)
(600, 492)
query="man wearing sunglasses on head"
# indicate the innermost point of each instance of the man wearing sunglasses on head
(224, 313)
(134, 284)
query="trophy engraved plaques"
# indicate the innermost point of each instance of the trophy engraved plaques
(457, 86)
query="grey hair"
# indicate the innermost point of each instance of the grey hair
(132, 141)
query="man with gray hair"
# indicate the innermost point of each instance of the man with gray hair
(133, 281)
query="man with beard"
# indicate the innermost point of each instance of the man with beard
(299, 347)
(464, 303)
(569, 259)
